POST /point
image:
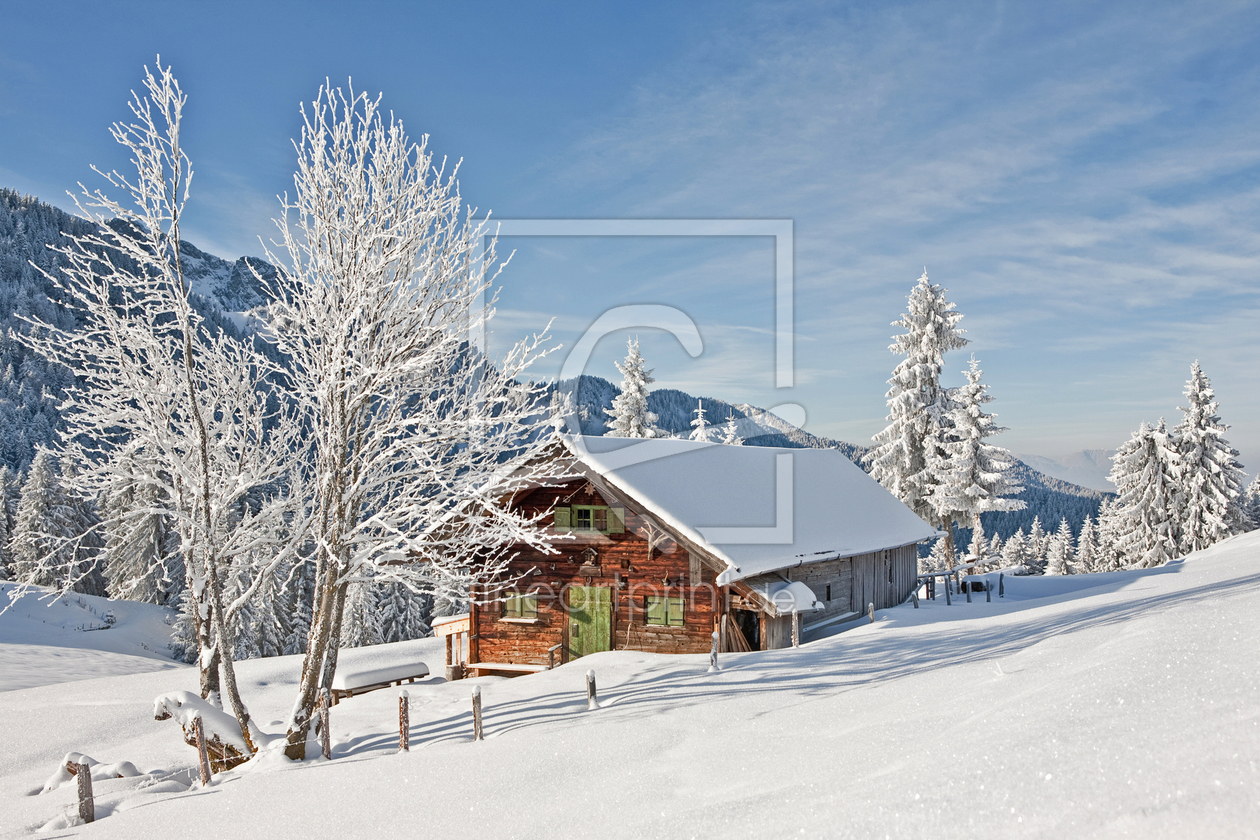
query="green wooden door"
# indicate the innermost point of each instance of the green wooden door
(590, 619)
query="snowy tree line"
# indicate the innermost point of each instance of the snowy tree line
(1179, 489)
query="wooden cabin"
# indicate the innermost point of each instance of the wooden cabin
(661, 543)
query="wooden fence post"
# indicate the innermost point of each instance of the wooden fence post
(87, 805)
(948, 602)
(713, 651)
(592, 701)
(1001, 586)
(325, 735)
(967, 584)
(988, 591)
(870, 611)
(203, 754)
(404, 722)
(796, 629)
(914, 595)
(476, 697)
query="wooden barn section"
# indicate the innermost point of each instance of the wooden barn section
(660, 543)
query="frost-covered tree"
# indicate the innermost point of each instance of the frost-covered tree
(1017, 555)
(415, 437)
(1110, 554)
(1059, 550)
(730, 432)
(1252, 501)
(700, 427)
(42, 541)
(905, 458)
(971, 477)
(1144, 470)
(1037, 542)
(155, 387)
(141, 557)
(1207, 472)
(362, 620)
(1087, 558)
(629, 412)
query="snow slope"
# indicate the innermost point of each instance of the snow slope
(1120, 705)
(45, 641)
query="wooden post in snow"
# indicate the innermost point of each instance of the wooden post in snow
(914, 595)
(87, 805)
(203, 755)
(967, 585)
(713, 651)
(404, 722)
(988, 591)
(796, 629)
(476, 697)
(325, 735)
(870, 611)
(592, 701)
(948, 602)
(1001, 586)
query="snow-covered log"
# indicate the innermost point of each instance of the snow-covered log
(224, 743)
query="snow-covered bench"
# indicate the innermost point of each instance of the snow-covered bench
(351, 680)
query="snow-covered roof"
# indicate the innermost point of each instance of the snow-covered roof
(757, 508)
(787, 596)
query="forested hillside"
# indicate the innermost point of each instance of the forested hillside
(30, 387)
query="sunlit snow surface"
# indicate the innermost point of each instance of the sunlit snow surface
(1121, 705)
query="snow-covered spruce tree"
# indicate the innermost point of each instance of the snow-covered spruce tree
(362, 625)
(1253, 502)
(1144, 470)
(1017, 555)
(141, 557)
(415, 437)
(995, 547)
(1110, 554)
(1208, 473)
(155, 390)
(1037, 542)
(1087, 559)
(700, 427)
(971, 477)
(301, 586)
(1059, 550)
(730, 432)
(42, 542)
(918, 406)
(629, 412)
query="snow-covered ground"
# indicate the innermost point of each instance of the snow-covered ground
(45, 641)
(1120, 705)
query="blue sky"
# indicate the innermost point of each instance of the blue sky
(1084, 180)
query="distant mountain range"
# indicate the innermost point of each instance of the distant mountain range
(225, 290)
(1088, 467)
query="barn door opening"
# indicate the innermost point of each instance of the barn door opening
(590, 619)
(749, 623)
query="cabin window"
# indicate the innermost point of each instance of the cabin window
(521, 606)
(598, 518)
(664, 612)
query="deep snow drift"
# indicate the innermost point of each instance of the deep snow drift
(1125, 704)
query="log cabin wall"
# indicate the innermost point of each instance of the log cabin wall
(620, 563)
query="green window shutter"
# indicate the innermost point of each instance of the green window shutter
(616, 520)
(562, 519)
(675, 612)
(529, 606)
(655, 610)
